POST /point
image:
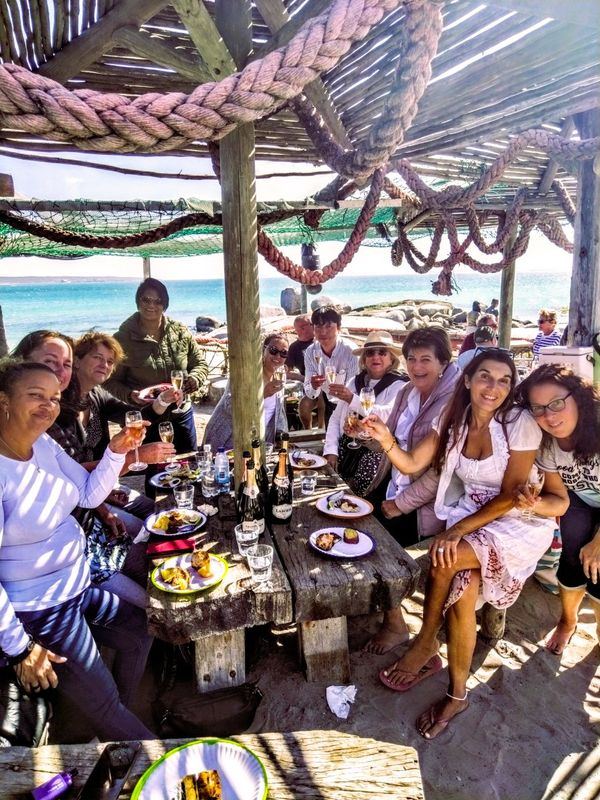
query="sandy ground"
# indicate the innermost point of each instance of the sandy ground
(530, 731)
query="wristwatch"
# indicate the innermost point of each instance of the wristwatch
(12, 661)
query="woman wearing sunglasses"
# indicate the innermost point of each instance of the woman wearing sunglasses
(567, 409)
(483, 448)
(219, 429)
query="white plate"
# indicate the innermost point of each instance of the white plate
(172, 471)
(199, 517)
(242, 774)
(218, 567)
(164, 480)
(145, 393)
(340, 549)
(317, 461)
(364, 507)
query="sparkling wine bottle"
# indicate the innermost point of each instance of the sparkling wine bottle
(280, 493)
(262, 479)
(251, 507)
(285, 443)
(245, 459)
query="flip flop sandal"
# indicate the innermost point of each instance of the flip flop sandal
(433, 721)
(427, 670)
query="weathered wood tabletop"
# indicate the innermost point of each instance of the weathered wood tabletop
(327, 765)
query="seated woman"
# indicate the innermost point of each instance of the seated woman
(47, 606)
(484, 448)
(219, 429)
(567, 409)
(405, 506)
(378, 364)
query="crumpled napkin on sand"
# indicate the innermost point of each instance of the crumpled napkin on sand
(142, 536)
(339, 699)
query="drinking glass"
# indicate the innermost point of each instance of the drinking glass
(184, 495)
(308, 484)
(280, 374)
(135, 424)
(351, 421)
(166, 433)
(367, 400)
(330, 373)
(535, 484)
(260, 561)
(209, 482)
(318, 358)
(246, 536)
(177, 377)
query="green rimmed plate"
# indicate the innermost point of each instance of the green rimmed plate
(242, 773)
(218, 565)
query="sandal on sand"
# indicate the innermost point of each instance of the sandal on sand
(433, 720)
(427, 670)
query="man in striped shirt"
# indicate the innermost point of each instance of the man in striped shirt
(548, 335)
(329, 349)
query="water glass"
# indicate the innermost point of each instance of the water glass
(184, 495)
(308, 483)
(260, 561)
(209, 482)
(246, 536)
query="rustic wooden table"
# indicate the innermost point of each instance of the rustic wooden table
(216, 619)
(327, 590)
(328, 765)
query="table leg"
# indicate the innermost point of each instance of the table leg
(324, 650)
(220, 660)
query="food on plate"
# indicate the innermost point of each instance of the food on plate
(303, 460)
(184, 472)
(343, 504)
(153, 392)
(178, 577)
(202, 786)
(351, 536)
(174, 521)
(201, 563)
(325, 541)
(168, 480)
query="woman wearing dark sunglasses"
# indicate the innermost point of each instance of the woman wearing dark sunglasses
(567, 409)
(219, 429)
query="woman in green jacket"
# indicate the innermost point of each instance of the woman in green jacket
(154, 345)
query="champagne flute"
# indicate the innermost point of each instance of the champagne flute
(367, 400)
(351, 421)
(167, 434)
(135, 424)
(177, 378)
(535, 484)
(318, 358)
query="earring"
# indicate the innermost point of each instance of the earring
(6, 414)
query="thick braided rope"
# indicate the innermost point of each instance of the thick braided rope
(505, 226)
(567, 205)
(420, 37)
(155, 123)
(287, 267)
(554, 145)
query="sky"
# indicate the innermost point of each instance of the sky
(60, 182)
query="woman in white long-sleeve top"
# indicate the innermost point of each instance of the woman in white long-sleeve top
(47, 606)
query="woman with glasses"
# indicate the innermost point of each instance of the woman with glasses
(154, 346)
(483, 448)
(567, 409)
(547, 336)
(219, 429)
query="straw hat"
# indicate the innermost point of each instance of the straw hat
(379, 339)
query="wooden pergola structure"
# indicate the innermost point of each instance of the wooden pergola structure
(423, 86)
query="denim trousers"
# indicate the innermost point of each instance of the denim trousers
(72, 629)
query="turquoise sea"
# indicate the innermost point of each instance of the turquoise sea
(73, 306)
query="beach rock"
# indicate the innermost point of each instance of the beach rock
(272, 311)
(396, 314)
(204, 324)
(459, 318)
(325, 300)
(431, 309)
(291, 300)
(415, 323)
(216, 390)
(408, 311)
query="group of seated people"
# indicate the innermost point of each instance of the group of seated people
(445, 454)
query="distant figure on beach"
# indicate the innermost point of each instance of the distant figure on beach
(567, 409)
(484, 448)
(330, 350)
(295, 363)
(473, 315)
(484, 337)
(493, 307)
(468, 342)
(548, 335)
(154, 346)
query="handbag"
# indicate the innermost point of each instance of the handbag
(221, 713)
(358, 467)
(24, 718)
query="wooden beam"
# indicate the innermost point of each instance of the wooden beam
(152, 49)
(583, 12)
(206, 37)
(87, 48)
(276, 16)
(240, 255)
(507, 291)
(291, 28)
(550, 172)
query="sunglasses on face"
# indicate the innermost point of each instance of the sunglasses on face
(554, 405)
(504, 350)
(376, 351)
(275, 352)
(151, 301)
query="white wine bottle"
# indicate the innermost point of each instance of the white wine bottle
(280, 494)
(251, 507)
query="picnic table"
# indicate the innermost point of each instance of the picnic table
(328, 765)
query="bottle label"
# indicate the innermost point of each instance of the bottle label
(249, 525)
(261, 525)
(251, 491)
(283, 511)
(283, 482)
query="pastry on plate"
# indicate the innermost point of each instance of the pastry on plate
(325, 541)
(202, 786)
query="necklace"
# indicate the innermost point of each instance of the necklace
(19, 457)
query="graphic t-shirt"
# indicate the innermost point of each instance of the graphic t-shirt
(581, 478)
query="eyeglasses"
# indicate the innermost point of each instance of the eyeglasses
(541, 321)
(559, 404)
(376, 351)
(504, 350)
(151, 301)
(275, 352)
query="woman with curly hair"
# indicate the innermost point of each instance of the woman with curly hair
(567, 409)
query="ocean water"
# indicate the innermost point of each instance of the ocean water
(74, 306)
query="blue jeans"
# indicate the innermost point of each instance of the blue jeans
(84, 678)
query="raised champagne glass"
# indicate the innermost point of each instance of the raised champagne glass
(177, 378)
(352, 421)
(367, 400)
(167, 434)
(535, 484)
(135, 424)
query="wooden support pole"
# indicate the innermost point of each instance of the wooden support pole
(507, 289)
(146, 267)
(584, 307)
(238, 186)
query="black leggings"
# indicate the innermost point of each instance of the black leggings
(404, 528)
(577, 527)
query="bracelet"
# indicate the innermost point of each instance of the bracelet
(12, 661)
(390, 447)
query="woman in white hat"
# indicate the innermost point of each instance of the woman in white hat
(379, 359)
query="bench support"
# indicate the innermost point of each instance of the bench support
(220, 660)
(324, 650)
